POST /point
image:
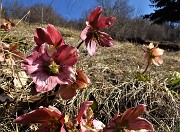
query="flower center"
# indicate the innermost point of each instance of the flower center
(151, 55)
(54, 68)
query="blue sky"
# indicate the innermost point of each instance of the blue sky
(72, 9)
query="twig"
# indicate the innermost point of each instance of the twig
(16, 24)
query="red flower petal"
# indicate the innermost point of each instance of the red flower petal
(43, 128)
(67, 91)
(94, 17)
(82, 110)
(42, 115)
(37, 40)
(105, 22)
(105, 40)
(55, 35)
(140, 123)
(132, 113)
(66, 75)
(41, 36)
(81, 80)
(66, 55)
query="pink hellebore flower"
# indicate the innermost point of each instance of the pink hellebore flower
(50, 118)
(129, 120)
(86, 120)
(48, 71)
(153, 54)
(68, 91)
(92, 34)
(7, 25)
(49, 36)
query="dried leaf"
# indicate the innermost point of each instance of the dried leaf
(7, 71)
(20, 79)
(4, 97)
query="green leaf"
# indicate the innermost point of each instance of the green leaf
(94, 106)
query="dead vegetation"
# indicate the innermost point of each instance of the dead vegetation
(114, 86)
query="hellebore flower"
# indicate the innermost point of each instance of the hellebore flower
(129, 120)
(153, 54)
(50, 36)
(9, 53)
(92, 34)
(68, 91)
(86, 120)
(7, 25)
(48, 71)
(50, 118)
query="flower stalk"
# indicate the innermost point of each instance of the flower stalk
(79, 45)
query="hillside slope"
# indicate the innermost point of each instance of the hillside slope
(115, 86)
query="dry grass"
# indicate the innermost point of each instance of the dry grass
(112, 72)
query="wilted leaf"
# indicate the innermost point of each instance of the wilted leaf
(7, 72)
(4, 97)
(82, 81)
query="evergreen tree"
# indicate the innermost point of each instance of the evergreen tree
(166, 11)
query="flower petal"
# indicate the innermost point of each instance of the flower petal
(66, 75)
(51, 49)
(28, 64)
(150, 46)
(105, 40)
(55, 35)
(44, 82)
(94, 17)
(66, 55)
(82, 80)
(98, 125)
(43, 128)
(157, 52)
(105, 22)
(140, 123)
(157, 61)
(132, 113)
(84, 106)
(41, 36)
(91, 46)
(85, 32)
(67, 91)
(42, 115)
